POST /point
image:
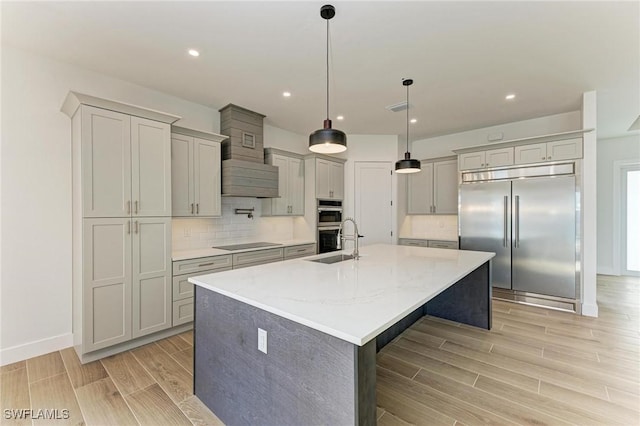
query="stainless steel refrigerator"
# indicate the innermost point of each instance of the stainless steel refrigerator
(527, 216)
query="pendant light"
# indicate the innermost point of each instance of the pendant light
(407, 165)
(327, 140)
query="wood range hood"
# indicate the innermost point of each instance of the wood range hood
(244, 173)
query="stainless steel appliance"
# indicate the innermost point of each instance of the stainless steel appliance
(528, 216)
(329, 212)
(328, 222)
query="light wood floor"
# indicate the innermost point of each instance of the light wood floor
(535, 366)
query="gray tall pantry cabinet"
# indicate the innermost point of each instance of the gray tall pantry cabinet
(121, 224)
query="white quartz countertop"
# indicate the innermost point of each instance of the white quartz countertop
(351, 300)
(206, 252)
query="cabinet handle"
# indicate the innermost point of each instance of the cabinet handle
(191, 208)
(136, 206)
(197, 208)
(434, 209)
(543, 158)
(128, 227)
(301, 250)
(487, 164)
(136, 226)
(206, 264)
(129, 207)
(549, 158)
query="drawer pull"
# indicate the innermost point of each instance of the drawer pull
(206, 264)
(301, 250)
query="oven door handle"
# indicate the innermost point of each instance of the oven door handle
(329, 209)
(328, 228)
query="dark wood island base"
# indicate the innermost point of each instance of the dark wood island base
(307, 377)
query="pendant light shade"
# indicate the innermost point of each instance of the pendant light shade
(407, 165)
(327, 140)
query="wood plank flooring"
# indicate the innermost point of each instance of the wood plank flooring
(536, 366)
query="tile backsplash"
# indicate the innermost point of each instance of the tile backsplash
(431, 227)
(231, 228)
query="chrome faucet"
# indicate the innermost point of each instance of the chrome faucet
(353, 237)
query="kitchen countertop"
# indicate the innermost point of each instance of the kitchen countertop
(351, 300)
(206, 252)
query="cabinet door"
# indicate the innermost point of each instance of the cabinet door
(323, 190)
(107, 282)
(499, 157)
(106, 163)
(152, 283)
(207, 176)
(182, 191)
(472, 160)
(151, 167)
(564, 150)
(420, 190)
(280, 206)
(296, 186)
(533, 153)
(445, 187)
(336, 180)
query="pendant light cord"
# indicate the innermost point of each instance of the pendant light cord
(407, 118)
(327, 69)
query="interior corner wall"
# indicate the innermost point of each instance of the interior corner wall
(610, 152)
(35, 314)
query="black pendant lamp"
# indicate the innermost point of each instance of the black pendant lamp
(407, 165)
(327, 140)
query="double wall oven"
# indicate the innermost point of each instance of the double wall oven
(329, 218)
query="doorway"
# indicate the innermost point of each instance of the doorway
(630, 220)
(373, 201)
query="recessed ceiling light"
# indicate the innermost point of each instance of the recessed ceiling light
(340, 117)
(510, 96)
(194, 52)
(286, 94)
(413, 120)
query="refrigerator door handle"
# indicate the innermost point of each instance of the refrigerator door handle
(517, 218)
(506, 212)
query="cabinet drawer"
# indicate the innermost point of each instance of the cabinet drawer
(416, 242)
(251, 258)
(299, 251)
(182, 288)
(443, 244)
(201, 264)
(182, 311)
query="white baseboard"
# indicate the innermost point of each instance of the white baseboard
(590, 310)
(605, 270)
(31, 349)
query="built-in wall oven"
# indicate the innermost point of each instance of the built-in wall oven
(328, 222)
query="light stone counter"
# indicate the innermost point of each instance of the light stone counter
(206, 252)
(352, 300)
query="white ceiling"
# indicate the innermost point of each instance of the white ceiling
(463, 56)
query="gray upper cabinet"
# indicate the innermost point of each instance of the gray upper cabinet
(565, 149)
(126, 165)
(196, 173)
(329, 179)
(290, 184)
(433, 190)
(485, 159)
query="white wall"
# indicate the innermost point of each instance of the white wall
(610, 151)
(36, 181)
(275, 137)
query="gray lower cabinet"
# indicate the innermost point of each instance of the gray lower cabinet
(420, 242)
(293, 252)
(182, 289)
(127, 279)
(258, 257)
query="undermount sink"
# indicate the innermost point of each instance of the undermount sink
(247, 246)
(332, 259)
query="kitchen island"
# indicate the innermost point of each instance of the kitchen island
(323, 324)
